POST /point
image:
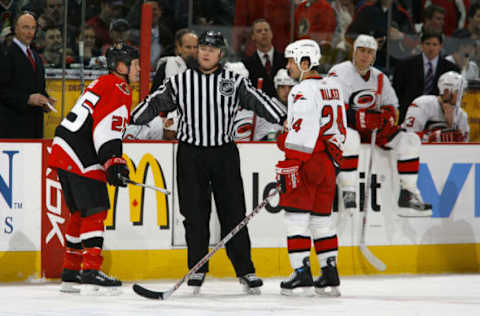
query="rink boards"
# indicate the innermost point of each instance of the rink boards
(144, 229)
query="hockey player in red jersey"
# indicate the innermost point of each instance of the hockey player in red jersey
(313, 148)
(372, 106)
(87, 152)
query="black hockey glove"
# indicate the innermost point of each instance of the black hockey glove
(115, 169)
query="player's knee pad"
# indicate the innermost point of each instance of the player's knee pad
(321, 227)
(408, 146)
(297, 223)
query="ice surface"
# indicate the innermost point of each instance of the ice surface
(429, 295)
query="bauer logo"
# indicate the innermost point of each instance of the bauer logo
(139, 171)
(444, 201)
(6, 177)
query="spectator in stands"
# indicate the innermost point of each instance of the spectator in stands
(275, 12)
(53, 14)
(109, 11)
(119, 33)
(472, 29)
(266, 61)
(162, 36)
(433, 20)
(455, 13)
(22, 84)
(418, 75)
(213, 12)
(440, 118)
(372, 18)
(344, 11)
(463, 50)
(8, 10)
(6, 36)
(315, 19)
(186, 49)
(52, 55)
(90, 51)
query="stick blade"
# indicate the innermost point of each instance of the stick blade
(154, 295)
(374, 261)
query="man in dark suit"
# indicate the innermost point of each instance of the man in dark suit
(418, 75)
(266, 61)
(22, 84)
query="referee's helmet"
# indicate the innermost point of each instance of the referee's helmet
(212, 38)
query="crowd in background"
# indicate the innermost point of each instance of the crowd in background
(332, 23)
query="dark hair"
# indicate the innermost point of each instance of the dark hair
(429, 35)
(429, 11)
(472, 10)
(456, 43)
(259, 20)
(181, 32)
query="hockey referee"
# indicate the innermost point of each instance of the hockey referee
(207, 98)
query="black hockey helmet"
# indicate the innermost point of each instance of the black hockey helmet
(120, 53)
(212, 38)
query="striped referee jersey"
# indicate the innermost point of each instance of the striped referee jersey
(207, 105)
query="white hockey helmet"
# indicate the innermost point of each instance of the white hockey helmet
(283, 79)
(451, 81)
(304, 48)
(238, 68)
(365, 41)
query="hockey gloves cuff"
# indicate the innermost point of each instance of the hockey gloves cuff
(368, 119)
(444, 136)
(288, 175)
(115, 169)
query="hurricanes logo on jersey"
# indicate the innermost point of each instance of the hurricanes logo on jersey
(362, 99)
(298, 96)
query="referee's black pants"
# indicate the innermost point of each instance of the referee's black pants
(197, 167)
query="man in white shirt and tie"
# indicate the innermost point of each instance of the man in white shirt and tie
(266, 61)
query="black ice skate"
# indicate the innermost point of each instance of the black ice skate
(71, 280)
(196, 281)
(410, 204)
(97, 282)
(300, 278)
(328, 280)
(251, 283)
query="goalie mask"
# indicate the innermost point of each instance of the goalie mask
(452, 82)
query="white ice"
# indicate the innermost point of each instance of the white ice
(409, 295)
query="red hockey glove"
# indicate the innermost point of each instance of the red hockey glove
(281, 141)
(116, 169)
(445, 136)
(288, 175)
(368, 119)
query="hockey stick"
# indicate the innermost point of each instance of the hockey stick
(374, 261)
(127, 180)
(163, 295)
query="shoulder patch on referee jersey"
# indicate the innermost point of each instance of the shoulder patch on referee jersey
(226, 87)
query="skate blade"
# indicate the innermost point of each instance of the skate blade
(409, 212)
(333, 291)
(251, 290)
(70, 287)
(305, 292)
(97, 290)
(195, 290)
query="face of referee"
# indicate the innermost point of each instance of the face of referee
(208, 58)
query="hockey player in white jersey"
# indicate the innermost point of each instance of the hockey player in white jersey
(313, 148)
(440, 118)
(246, 121)
(372, 105)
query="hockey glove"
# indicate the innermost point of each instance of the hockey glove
(115, 169)
(368, 119)
(444, 136)
(288, 175)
